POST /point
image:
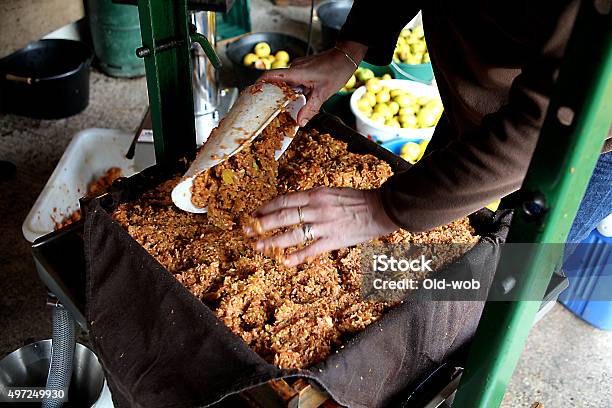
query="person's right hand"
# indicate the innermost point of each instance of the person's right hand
(322, 75)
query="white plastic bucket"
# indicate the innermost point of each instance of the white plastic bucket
(382, 133)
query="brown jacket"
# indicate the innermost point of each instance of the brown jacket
(495, 64)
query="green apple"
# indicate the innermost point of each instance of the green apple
(351, 82)
(394, 107)
(412, 38)
(426, 118)
(249, 59)
(435, 105)
(418, 31)
(279, 64)
(410, 152)
(383, 110)
(392, 122)
(494, 205)
(418, 47)
(383, 97)
(404, 100)
(423, 100)
(426, 58)
(364, 74)
(263, 64)
(413, 59)
(408, 121)
(396, 92)
(373, 85)
(423, 146)
(405, 48)
(262, 49)
(364, 105)
(378, 118)
(370, 97)
(408, 110)
(282, 56)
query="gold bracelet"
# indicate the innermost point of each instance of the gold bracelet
(347, 55)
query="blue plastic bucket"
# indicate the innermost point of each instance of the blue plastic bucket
(395, 145)
(589, 270)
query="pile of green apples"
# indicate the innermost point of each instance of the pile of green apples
(262, 57)
(398, 108)
(359, 78)
(411, 47)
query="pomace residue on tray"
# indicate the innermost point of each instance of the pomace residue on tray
(94, 189)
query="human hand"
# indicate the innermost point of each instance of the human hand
(322, 75)
(333, 217)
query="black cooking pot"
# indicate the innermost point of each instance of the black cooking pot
(332, 15)
(236, 51)
(48, 79)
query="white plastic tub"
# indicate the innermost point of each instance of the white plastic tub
(88, 156)
(383, 133)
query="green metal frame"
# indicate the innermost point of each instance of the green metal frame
(169, 82)
(559, 172)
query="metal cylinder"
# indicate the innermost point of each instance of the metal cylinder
(205, 78)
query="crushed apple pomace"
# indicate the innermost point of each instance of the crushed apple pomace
(244, 181)
(292, 317)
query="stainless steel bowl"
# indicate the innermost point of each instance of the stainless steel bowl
(332, 15)
(28, 366)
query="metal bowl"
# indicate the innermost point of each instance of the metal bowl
(332, 15)
(28, 366)
(48, 79)
(236, 51)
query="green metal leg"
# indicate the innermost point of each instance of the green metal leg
(560, 170)
(165, 38)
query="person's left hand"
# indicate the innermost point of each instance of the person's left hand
(332, 218)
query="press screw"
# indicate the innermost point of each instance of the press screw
(142, 52)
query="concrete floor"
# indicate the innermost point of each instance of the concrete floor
(35, 146)
(566, 363)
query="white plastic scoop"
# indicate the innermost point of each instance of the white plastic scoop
(254, 109)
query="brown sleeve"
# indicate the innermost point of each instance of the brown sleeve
(479, 168)
(377, 25)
